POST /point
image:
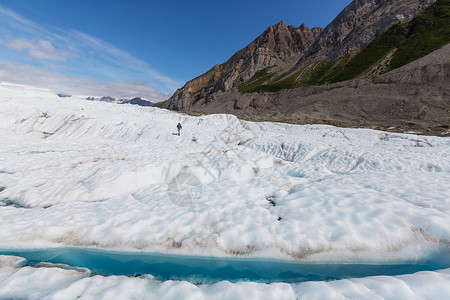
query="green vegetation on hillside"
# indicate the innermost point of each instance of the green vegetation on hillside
(317, 75)
(368, 56)
(423, 35)
(427, 33)
(268, 82)
(288, 81)
(258, 80)
(350, 67)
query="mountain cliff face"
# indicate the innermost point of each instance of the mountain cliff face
(279, 47)
(366, 40)
(360, 22)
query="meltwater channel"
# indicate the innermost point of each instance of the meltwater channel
(212, 269)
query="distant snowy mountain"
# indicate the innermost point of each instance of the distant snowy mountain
(135, 101)
(138, 101)
(61, 95)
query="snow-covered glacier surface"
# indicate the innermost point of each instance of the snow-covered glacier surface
(76, 173)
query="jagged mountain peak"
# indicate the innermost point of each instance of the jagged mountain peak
(303, 27)
(279, 26)
(285, 41)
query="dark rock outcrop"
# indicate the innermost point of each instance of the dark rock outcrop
(60, 95)
(108, 99)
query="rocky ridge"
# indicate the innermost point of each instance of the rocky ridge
(359, 23)
(279, 47)
(414, 98)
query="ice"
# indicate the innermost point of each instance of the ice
(85, 173)
(421, 285)
(69, 284)
(10, 261)
(64, 283)
(91, 174)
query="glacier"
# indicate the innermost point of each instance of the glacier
(77, 173)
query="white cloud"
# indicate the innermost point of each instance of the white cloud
(41, 49)
(74, 54)
(116, 61)
(18, 22)
(17, 44)
(86, 86)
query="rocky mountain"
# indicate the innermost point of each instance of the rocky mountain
(352, 73)
(360, 22)
(413, 98)
(279, 47)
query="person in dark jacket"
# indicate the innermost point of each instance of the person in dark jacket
(179, 127)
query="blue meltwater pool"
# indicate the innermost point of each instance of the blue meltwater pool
(212, 269)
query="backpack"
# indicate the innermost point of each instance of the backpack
(179, 126)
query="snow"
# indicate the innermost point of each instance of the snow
(91, 174)
(61, 283)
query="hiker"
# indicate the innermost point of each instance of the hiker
(179, 128)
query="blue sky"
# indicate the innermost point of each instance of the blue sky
(135, 48)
